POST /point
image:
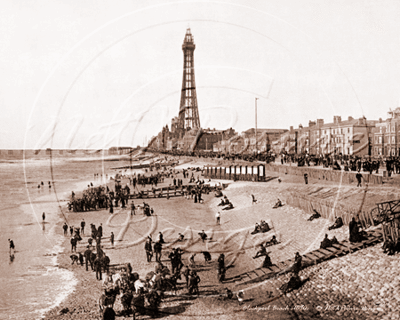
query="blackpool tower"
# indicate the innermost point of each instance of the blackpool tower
(188, 111)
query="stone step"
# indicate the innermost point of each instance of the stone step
(252, 275)
(259, 272)
(325, 252)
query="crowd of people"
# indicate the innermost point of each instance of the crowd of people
(93, 255)
(344, 162)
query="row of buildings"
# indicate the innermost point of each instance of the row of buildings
(359, 137)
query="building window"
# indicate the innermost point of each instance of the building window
(380, 140)
(393, 140)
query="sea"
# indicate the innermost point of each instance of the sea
(30, 281)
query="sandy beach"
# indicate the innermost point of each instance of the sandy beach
(175, 215)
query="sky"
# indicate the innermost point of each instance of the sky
(97, 74)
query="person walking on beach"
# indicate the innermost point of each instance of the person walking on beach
(83, 223)
(112, 238)
(71, 230)
(87, 254)
(97, 268)
(73, 244)
(100, 231)
(218, 217)
(306, 178)
(133, 208)
(12, 247)
(43, 216)
(65, 228)
(149, 249)
(157, 250)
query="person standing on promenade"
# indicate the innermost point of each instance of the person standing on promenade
(149, 250)
(218, 217)
(65, 228)
(87, 254)
(43, 217)
(111, 207)
(112, 238)
(12, 247)
(358, 177)
(83, 223)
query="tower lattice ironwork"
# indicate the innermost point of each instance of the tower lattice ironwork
(188, 110)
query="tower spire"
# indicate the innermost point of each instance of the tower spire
(188, 110)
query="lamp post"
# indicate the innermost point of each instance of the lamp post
(256, 125)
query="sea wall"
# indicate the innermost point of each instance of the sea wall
(346, 177)
(326, 208)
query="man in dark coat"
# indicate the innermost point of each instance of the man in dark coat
(97, 268)
(73, 244)
(105, 262)
(87, 255)
(100, 231)
(157, 250)
(297, 263)
(354, 230)
(358, 177)
(112, 238)
(83, 223)
(326, 243)
(149, 249)
(338, 223)
(65, 228)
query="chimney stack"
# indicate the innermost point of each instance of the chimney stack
(337, 119)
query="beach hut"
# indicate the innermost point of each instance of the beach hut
(244, 173)
(213, 172)
(249, 175)
(228, 173)
(234, 174)
(223, 173)
(255, 173)
(261, 172)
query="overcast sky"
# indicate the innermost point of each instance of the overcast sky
(95, 74)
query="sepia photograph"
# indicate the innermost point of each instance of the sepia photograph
(199, 159)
